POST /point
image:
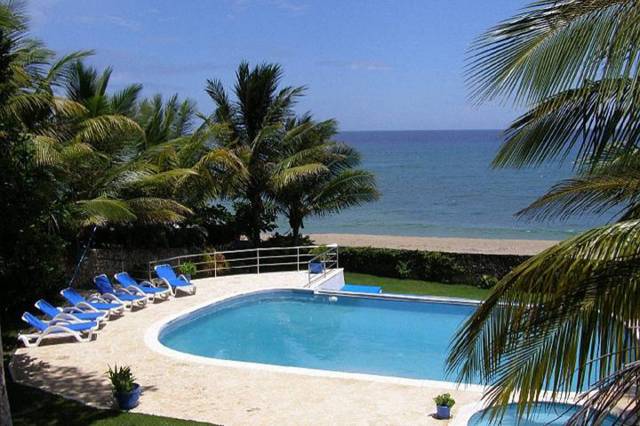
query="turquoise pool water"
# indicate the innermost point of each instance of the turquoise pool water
(300, 329)
(544, 414)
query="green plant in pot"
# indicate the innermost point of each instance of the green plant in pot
(125, 390)
(444, 402)
(188, 269)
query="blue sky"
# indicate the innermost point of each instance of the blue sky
(372, 65)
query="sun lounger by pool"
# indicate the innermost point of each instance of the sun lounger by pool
(356, 288)
(144, 288)
(81, 331)
(169, 278)
(122, 296)
(93, 304)
(71, 314)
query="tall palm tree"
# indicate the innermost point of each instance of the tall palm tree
(255, 126)
(317, 176)
(565, 318)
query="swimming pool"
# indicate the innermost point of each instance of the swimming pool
(301, 329)
(544, 413)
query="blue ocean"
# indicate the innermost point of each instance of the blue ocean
(441, 184)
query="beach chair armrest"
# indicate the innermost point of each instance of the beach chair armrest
(129, 290)
(147, 283)
(182, 277)
(64, 317)
(86, 306)
(110, 298)
(74, 309)
(97, 298)
(133, 290)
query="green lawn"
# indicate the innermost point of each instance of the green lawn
(394, 285)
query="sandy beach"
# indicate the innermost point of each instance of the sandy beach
(451, 245)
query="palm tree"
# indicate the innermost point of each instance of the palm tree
(252, 128)
(317, 176)
(92, 149)
(566, 317)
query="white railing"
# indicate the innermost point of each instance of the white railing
(258, 260)
(323, 262)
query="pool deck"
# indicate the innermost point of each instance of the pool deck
(226, 392)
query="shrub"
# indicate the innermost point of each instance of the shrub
(188, 268)
(488, 281)
(216, 264)
(403, 269)
(444, 400)
(122, 379)
(422, 265)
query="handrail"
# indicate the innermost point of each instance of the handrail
(256, 260)
(328, 260)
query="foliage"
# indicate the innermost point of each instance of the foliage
(444, 400)
(488, 281)
(423, 265)
(561, 318)
(317, 176)
(188, 268)
(403, 269)
(122, 380)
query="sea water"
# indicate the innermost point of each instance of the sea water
(441, 183)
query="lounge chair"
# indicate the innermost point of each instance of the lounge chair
(143, 288)
(93, 304)
(81, 331)
(71, 314)
(122, 296)
(171, 280)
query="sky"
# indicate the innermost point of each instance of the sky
(370, 64)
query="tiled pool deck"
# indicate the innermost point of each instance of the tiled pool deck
(225, 392)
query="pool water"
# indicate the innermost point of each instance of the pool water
(552, 414)
(300, 329)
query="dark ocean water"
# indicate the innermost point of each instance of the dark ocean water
(440, 183)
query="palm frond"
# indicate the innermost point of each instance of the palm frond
(102, 210)
(546, 322)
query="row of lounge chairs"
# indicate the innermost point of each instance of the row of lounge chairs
(87, 314)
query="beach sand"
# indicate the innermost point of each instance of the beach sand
(451, 245)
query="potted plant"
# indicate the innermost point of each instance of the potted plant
(125, 390)
(444, 402)
(188, 269)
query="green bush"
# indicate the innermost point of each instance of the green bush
(488, 281)
(415, 264)
(188, 268)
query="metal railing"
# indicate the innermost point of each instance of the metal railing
(319, 265)
(257, 260)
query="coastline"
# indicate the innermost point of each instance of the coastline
(442, 244)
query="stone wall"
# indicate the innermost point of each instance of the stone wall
(111, 261)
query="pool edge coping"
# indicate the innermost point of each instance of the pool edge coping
(152, 341)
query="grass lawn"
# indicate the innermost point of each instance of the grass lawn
(394, 285)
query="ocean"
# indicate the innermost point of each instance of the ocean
(441, 184)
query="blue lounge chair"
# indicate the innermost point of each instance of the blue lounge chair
(81, 331)
(71, 314)
(171, 280)
(357, 288)
(143, 288)
(122, 296)
(93, 304)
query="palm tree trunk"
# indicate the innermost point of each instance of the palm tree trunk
(5, 411)
(257, 209)
(295, 222)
